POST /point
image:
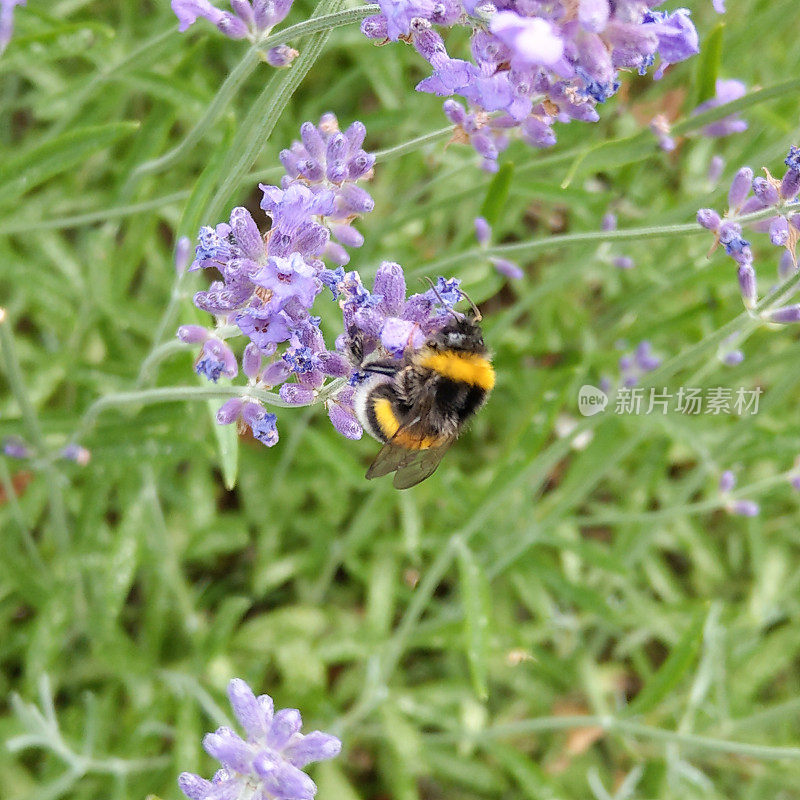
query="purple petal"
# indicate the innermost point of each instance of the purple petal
(244, 703)
(229, 749)
(229, 411)
(390, 286)
(316, 746)
(285, 724)
(193, 786)
(348, 426)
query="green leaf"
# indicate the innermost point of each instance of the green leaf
(708, 66)
(227, 446)
(678, 663)
(477, 609)
(497, 194)
(608, 155)
(33, 167)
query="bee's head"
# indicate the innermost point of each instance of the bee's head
(460, 333)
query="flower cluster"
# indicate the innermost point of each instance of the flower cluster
(268, 764)
(247, 20)
(632, 366)
(748, 195)
(270, 283)
(533, 63)
(741, 508)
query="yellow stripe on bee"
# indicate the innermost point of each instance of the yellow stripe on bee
(462, 368)
(389, 425)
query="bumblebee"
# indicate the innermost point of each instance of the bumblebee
(419, 404)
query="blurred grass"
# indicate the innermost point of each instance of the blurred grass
(456, 635)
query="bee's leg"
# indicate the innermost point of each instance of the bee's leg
(355, 346)
(382, 366)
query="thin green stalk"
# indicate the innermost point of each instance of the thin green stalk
(31, 420)
(324, 22)
(413, 144)
(176, 394)
(22, 226)
(265, 112)
(585, 237)
(621, 727)
(227, 91)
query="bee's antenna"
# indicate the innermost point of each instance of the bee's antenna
(478, 315)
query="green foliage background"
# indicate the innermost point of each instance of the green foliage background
(465, 638)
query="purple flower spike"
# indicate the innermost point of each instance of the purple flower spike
(77, 454)
(188, 11)
(708, 218)
(765, 192)
(532, 41)
(787, 266)
(623, 262)
(229, 411)
(784, 315)
(483, 231)
(727, 481)
(507, 268)
(733, 358)
(262, 424)
(16, 447)
(726, 92)
(251, 361)
(593, 15)
(7, 20)
(193, 334)
(715, 167)
(345, 422)
(609, 222)
(747, 286)
(740, 187)
(745, 508)
(779, 231)
(215, 360)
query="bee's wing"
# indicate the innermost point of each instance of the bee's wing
(411, 465)
(422, 465)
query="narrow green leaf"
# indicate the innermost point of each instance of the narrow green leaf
(708, 66)
(614, 153)
(497, 194)
(41, 162)
(227, 445)
(477, 609)
(678, 663)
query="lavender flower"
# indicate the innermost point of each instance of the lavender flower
(75, 453)
(741, 508)
(747, 195)
(726, 92)
(16, 447)
(249, 20)
(509, 269)
(634, 365)
(270, 284)
(7, 20)
(267, 764)
(532, 64)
